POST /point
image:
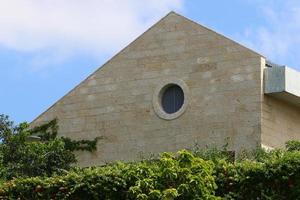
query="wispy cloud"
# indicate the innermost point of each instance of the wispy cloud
(65, 27)
(278, 36)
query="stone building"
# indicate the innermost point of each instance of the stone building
(178, 85)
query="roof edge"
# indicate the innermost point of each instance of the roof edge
(222, 35)
(99, 68)
(124, 48)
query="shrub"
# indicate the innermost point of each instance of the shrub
(22, 158)
(276, 177)
(181, 176)
(40, 159)
(50, 155)
(292, 145)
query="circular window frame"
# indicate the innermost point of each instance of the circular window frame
(157, 96)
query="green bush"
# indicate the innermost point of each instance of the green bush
(276, 176)
(39, 159)
(180, 176)
(293, 145)
(39, 170)
(20, 157)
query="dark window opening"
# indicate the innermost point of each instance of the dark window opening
(172, 99)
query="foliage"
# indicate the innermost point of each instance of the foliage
(51, 155)
(209, 173)
(48, 131)
(37, 159)
(214, 153)
(22, 158)
(293, 145)
(181, 176)
(81, 145)
(276, 177)
(262, 175)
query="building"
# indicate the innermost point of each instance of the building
(176, 86)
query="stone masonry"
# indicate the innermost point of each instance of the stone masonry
(224, 98)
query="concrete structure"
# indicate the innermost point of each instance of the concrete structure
(283, 82)
(280, 105)
(215, 85)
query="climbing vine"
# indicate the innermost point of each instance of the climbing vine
(83, 145)
(48, 132)
(49, 155)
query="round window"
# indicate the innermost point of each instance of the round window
(172, 99)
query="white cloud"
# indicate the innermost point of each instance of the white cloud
(278, 37)
(68, 26)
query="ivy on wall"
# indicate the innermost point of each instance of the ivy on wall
(49, 155)
(48, 132)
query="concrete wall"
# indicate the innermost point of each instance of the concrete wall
(282, 83)
(222, 77)
(280, 121)
(280, 106)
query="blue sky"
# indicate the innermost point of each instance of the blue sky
(48, 47)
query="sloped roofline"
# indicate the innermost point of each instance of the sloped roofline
(141, 35)
(219, 34)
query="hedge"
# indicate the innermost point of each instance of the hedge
(274, 175)
(180, 176)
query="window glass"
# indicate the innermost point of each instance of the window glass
(172, 99)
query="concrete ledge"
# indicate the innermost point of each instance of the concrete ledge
(282, 82)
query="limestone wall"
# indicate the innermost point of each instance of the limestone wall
(223, 79)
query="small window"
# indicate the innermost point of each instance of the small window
(172, 99)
